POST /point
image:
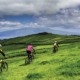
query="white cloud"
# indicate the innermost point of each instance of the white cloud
(68, 22)
(9, 25)
(36, 7)
(68, 3)
(58, 22)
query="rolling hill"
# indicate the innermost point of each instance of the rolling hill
(12, 45)
(63, 65)
(41, 38)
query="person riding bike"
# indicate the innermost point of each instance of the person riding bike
(3, 54)
(29, 51)
(55, 46)
(2, 62)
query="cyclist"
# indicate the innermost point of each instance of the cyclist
(29, 51)
(3, 54)
(55, 46)
(2, 51)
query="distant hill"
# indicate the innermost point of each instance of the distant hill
(34, 38)
(43, 33)
(41, 38)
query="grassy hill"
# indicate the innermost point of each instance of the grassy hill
(63, 65)
(37, 39)
(40, 38)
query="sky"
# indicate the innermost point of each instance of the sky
(25, 17)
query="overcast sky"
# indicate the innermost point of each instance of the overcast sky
(24, 17)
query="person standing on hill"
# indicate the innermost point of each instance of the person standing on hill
(29, 51)
(55, 46)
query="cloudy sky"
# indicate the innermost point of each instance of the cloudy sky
(24, 17)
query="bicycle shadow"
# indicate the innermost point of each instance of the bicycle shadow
(24, 64)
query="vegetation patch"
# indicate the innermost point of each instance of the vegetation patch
(33, 76)
(69, 69)
(57, 60)
(44, 62)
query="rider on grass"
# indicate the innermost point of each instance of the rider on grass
(29, 51)
(55, 46)
(3, 54)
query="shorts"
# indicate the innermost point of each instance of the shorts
(28, 52)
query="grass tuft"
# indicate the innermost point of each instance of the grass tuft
(33, 76)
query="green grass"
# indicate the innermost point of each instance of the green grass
(63, 65)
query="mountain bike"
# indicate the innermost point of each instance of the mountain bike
(29, 58)
(3, 66)
(55, 49)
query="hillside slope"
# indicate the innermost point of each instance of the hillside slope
(63, 65)
(36, 39)
(40, 38)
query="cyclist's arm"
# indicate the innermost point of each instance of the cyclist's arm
(2, 53)
(33, 50)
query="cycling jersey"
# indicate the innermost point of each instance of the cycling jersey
(55, 44)
(29, 48)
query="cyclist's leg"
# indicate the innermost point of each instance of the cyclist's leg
(1, 69)
(28, 56)
(1, 65)
(54, 49)
(28, 59)
(31, 57)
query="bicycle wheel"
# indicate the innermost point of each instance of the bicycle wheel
(4, 66)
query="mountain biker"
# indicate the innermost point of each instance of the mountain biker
(29, 50)
(2, 51)
(3, 54)
(55, 46)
